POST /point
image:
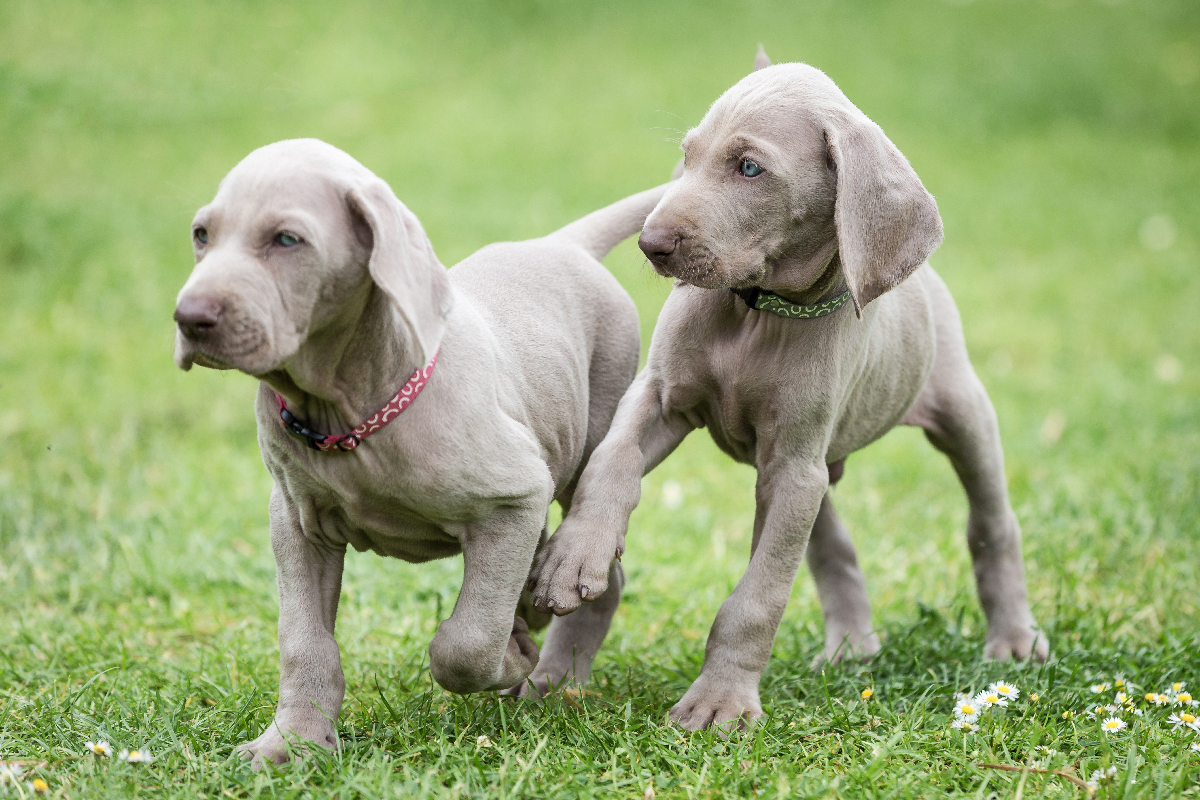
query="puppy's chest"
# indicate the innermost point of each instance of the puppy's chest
(744, 391)
(394, 512)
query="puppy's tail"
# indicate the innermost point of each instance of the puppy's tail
(602, 230)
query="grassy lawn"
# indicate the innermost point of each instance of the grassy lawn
(1062, 140)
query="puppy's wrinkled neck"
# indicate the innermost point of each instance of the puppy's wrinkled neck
(349, 369)
(808, 277)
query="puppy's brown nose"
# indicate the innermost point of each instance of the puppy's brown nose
(198, 316)
(658, 244)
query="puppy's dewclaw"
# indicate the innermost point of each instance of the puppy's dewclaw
(805, 322)
(406, 409)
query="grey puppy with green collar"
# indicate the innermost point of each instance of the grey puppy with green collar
(835, 331)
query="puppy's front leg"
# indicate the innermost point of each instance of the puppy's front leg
(311, 684)
(484, 645)
(739, 644)
(573, 566)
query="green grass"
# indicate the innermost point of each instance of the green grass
(136, 580)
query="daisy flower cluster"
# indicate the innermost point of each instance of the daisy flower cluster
(102, 749)
(1098, 777)
(1183, 709)
(13, 774)
(968, 708)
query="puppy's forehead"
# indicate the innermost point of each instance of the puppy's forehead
(776, 97)
(292, 171)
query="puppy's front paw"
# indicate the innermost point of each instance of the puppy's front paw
(285, 740)
(1018, 642)
(711, 702)
(573, 568)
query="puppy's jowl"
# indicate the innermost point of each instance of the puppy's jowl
(804, 324)
(408, 410)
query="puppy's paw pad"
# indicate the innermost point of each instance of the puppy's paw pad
(275, 747)
(841, 648)
(1017, 645)
(731, 708)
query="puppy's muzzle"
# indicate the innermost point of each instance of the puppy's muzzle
(659, 244)
(199, 317)
(675, 253)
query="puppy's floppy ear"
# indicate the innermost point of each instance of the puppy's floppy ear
(760, 59)
(887, 223)
(403, 264)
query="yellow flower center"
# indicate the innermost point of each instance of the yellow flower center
(1150, 696)
(1175, 687)
(967, 709)
(1112, 723)
(991, 698)
(1188, 718)
(1184, 697)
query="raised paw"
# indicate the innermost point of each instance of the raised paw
(573, 568)
(1017, 643)
(709, 702)
(287, 740)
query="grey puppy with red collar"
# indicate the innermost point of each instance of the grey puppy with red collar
(408, 410)
(835, 331)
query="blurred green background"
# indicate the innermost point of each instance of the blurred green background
(1061, 139)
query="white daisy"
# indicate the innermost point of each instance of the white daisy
(963, 724)
(136, 756)
(1112, 725)
(1121, 698)
(1005, 690)
(1196, 746)
(1119, 681)
(1157, 698)
(1100, 688)
(989, 699)
(1099, 711)
(1184, 699)
(1184, 719)
(100, 748)
(968, 710)
(10, 773)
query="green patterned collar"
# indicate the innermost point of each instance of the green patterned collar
(761, 300)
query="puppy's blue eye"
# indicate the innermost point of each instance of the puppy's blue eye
(201, 235)
(750, 169)
(287, 240)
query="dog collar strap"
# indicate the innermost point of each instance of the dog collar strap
(759, 300)
(400, 401)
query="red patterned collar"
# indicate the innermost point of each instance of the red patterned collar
(400, 401)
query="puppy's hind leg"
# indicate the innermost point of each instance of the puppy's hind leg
(958, 419)
(841, 588)
(572, 642)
